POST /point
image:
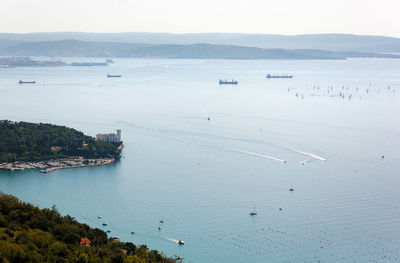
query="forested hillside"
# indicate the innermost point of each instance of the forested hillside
(74, 48)
(30, 234)
(23, 141)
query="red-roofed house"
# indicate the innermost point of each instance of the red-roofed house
(85, 242)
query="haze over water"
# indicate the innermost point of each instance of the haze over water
(203, 176)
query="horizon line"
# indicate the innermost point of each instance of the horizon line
(196, 33)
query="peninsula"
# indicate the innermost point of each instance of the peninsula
(50, 147)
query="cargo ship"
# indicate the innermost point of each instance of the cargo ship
(227, 82)
(284, 76)
(26, 82)
(88, 64)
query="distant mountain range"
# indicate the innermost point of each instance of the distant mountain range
(205, 46)
(332, 42)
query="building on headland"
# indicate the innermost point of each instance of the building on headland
(110, 137)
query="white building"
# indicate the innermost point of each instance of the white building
(110, 137)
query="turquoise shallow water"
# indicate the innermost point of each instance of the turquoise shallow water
(202, 177)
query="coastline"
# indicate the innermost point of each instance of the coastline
(48, 166)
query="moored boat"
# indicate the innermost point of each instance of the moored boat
(253, 211)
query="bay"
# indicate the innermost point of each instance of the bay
(202, 176)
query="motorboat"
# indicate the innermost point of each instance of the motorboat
(254, 211)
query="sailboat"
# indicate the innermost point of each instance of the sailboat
(254, 211)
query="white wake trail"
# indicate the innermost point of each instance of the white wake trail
(171, 239)
(311, 155)
(265, 156)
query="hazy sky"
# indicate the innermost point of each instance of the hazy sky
(375, 17)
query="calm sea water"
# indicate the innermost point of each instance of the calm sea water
(202, 177)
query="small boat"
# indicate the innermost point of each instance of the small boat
(159, 228)
(108, 231)
(99, 217)
(113, 76)
(162, 221)
(254, 211)
(227, 82)
(132, 233)
(291, 189)
(26, 82)
(104, 224)
(181, 242)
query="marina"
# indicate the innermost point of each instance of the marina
(48, 166)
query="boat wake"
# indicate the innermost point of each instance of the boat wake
(311, 155)
(265, 156)
(172, 240)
